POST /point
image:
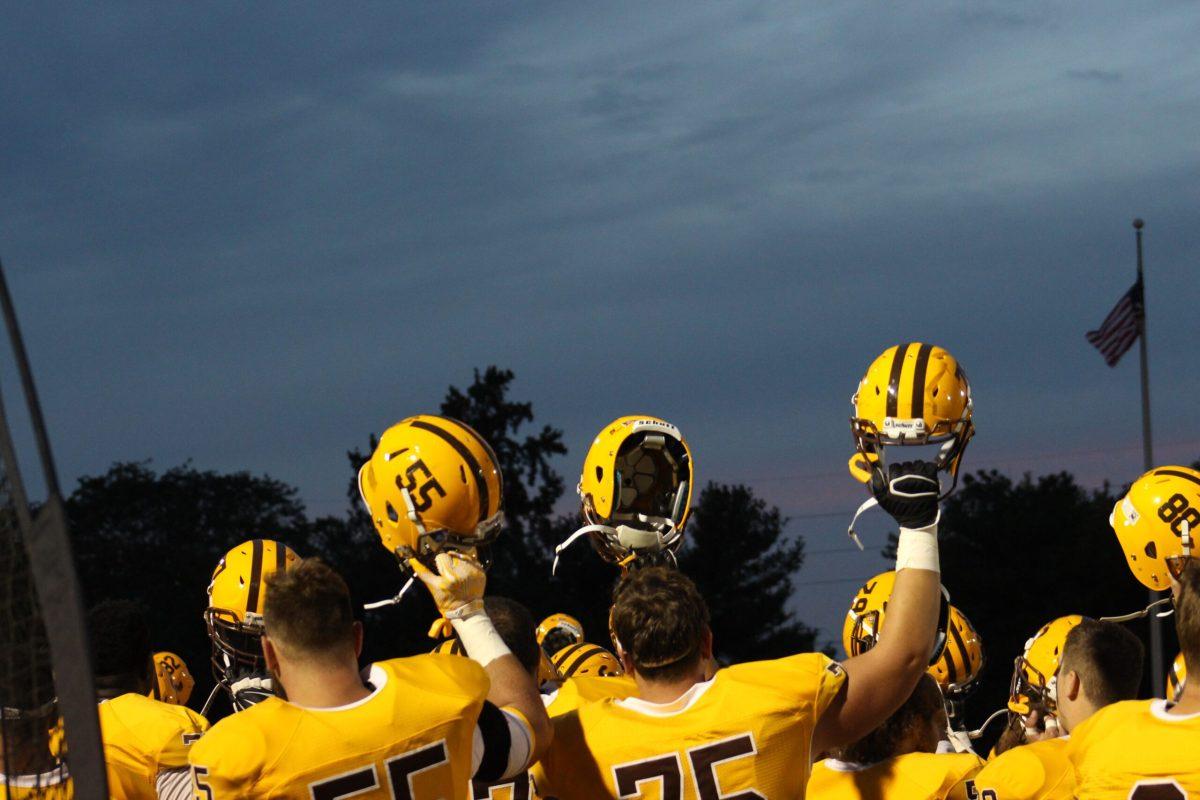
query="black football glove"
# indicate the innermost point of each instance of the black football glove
(910, 495)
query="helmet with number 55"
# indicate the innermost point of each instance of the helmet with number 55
(1156, 524)
(433, 484)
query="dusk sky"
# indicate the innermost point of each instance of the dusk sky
(251, 238)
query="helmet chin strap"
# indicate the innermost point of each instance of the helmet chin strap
(1145, 612)
(393, 601)
(630, 538)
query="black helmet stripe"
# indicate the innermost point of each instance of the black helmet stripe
(487, 448)
(1176, 473)
(588, 650)
(961, 647)
(918, 389)
(466, 455)
(894, 380)
(280, 557)
(256, 565)
(562, 655)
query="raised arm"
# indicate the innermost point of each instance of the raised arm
(457, 588)
(880, 680)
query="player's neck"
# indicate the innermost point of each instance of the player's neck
(324, 685)
(1189, 703)
(666, 691)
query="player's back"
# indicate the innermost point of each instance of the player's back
(1035, 771)
(581, 689)
(143, 737)
(1136, 750)
(412, 736)
(749, 729)
(913, 776)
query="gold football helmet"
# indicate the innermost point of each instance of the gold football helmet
(1035, 673)
(235, 605)
(558, 631)
(586, 659)
(864, 620)
(1156, 523)
(912, 394)
(636, 491)
(172, 682)
(433, 484)
(450, 647)
(1176, 678)
(962, 659)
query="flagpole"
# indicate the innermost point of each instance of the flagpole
(1156, 643)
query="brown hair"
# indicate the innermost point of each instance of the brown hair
(902, 728)
(307, 609)
(515, 625)
(660, 619)
(1187, 612)
(1107, 658)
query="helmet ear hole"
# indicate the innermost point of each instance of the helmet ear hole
(1151, 550)
(392, 514)
(599, 473)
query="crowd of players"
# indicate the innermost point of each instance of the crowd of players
(505, 709)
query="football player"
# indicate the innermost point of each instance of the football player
(172, 681)
(146, 741)
(1148, 748)
(31, 766)
(419, 727)
(635, 492)
(751, 728)
(1033, 692)
(234, 620)
(899, 759)
(1101, 665)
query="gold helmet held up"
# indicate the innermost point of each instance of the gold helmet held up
(864, 620)
(1035, 673)
(558, 631)
(1156, 524)
(962, 659)
(636, 491)
(172, 682)
(235, 605)
(433, 484)
(586, 659)
(912, 394)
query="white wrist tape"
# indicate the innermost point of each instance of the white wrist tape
(917, 548)
(479, 638)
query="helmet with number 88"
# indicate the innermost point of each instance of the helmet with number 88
(865, 619)
(1035, 673)
(636, 490)
(1156, 524)
(912, 394)
(433, 484)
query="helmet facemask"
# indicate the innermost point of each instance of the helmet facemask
(952, 435)
(1030, 690)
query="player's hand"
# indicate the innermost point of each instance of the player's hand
(457, 586)
(910, 494)
(1048, 730)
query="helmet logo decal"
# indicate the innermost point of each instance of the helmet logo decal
(426, 489)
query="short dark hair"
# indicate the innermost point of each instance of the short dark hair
(1107, 658)
(659, 619)
(120, 638)
(307, 609)
(1187, 612)
(515, 625)
(885, 741)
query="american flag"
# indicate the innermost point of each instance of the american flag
(1121, 327)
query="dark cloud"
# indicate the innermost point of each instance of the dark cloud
(252, 237)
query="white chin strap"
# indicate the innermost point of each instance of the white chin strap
(632, 539)
(392, 601)
(1145, 612)
(871, 502)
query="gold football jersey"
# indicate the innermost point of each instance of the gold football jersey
(1034, 771)
(581, 689)
(143, 737)
(1135, 750)
(411, 737)
(749, 729)
(914, 776)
